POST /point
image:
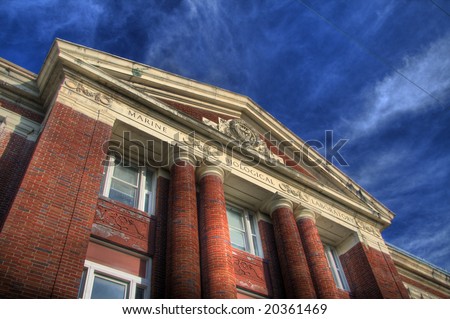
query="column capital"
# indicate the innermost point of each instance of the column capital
(302, 212)
(210, 169)
(279, 202)
(178, 154)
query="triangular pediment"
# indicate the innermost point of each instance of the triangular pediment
(233, 115)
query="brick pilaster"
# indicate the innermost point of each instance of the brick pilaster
(183, 251)
(294, 267)
(218, 279)
(44, 240)
(372, 274)
(315, 255)
(15, 154)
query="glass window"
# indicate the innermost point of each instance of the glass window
(128, 184)
(107, 288)
(243, 230)
(336, 267)
(103, 282)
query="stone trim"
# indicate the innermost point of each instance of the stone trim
(19, 124)
(279, 202)
(205, 170)
(301, 213)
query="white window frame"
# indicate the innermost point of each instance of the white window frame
(94, 269)
(336, 267)
(249, 240)
(141, 192)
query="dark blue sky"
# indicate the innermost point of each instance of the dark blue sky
(375, 72)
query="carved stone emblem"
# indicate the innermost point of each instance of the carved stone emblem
(96, 96)
(244, 135)
(242, 132)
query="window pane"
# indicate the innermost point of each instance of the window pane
(235, 219)
(148, 181)
(333, 262)
(140, 293)
(147, 204)
(126, 174)
(123, 193)
(108, 289)
(252, 224)
(237, 239)
(255, 245)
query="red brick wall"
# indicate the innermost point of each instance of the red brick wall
(44, 239)
(15, 153)
(371, 274)
(343, 294)
(359, 273)
(34, 116)
(271, 257)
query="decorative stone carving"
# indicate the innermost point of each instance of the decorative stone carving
(251, 273)
(208, 150)
(96, 96)
(243, 268)
(127, 227)
(244, 135)
(242, 132)
(121, 222)
(371, 230)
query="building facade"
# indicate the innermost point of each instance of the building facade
(119, 180)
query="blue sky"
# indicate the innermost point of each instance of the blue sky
(375, 72)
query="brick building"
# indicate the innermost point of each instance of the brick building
(123, 181)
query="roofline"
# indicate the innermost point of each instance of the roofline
(418, 259)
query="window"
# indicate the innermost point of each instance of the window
(128, 184)
(336, 267)
(243, 230)
(103, 282)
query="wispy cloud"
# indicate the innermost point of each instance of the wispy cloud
(394, 95)
(435, 235)
(198, 34)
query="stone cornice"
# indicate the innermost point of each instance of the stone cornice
(421, 272)
(19, 86)
(19, 124)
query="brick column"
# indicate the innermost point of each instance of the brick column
(315, 255)
(294, 267)
(218, 279)
(183, 251)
